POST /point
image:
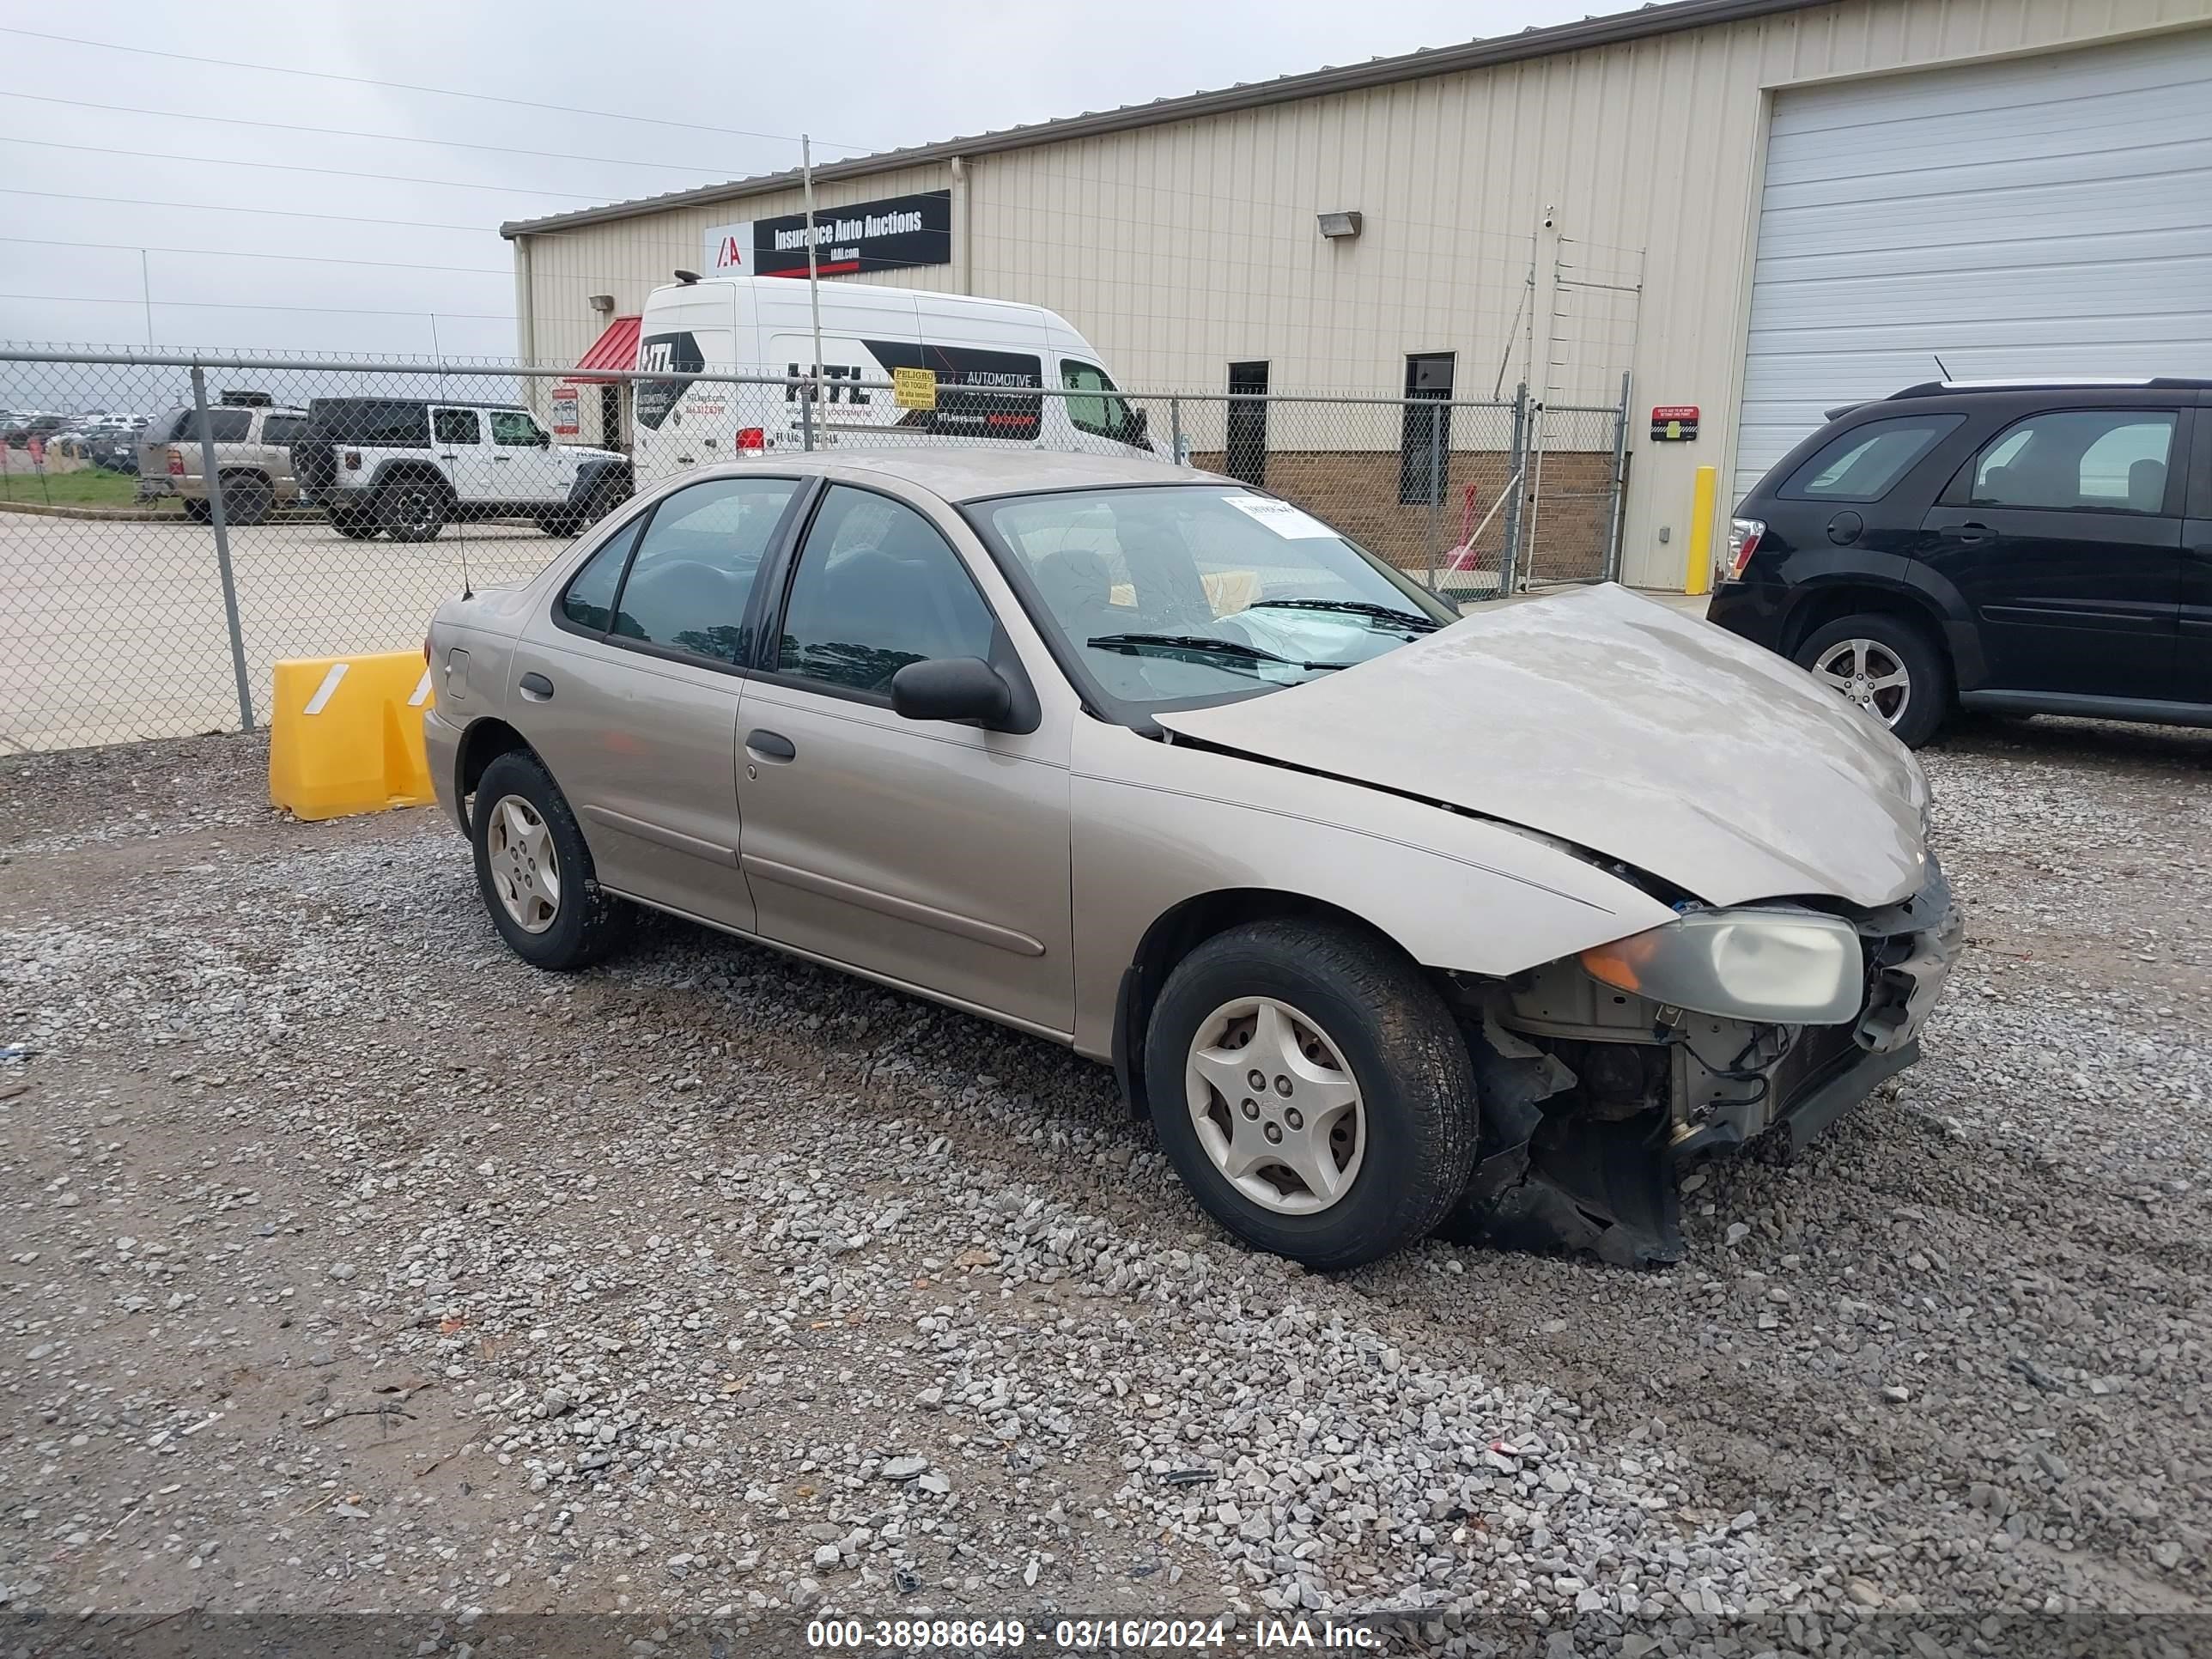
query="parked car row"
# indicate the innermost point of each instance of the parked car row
(404, 467)
(92, 433)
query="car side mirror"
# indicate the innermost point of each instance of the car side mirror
(952, 688)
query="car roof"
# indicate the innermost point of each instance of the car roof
(2038, 383)
(976, 472)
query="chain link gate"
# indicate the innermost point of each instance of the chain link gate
(273, 508)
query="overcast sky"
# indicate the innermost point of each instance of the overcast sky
(865, 74)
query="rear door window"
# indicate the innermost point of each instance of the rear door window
(2094, 460)
(689, 586)
(281, 429)
(589, 602)
(225, 425)
(1866, 463)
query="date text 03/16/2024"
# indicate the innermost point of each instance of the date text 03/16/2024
(924, 1636)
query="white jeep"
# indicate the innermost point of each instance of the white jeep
(409, 466)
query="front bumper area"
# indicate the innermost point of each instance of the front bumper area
(1595, 1103)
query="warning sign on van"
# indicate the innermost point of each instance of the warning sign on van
(915, 388)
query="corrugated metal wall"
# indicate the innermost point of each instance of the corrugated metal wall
(1180, 248)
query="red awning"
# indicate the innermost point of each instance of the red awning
(616, 349)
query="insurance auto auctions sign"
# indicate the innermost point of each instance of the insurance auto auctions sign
(891, 235)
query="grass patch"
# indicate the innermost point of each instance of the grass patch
(86, 488)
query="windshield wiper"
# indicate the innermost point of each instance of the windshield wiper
(1203, 643)
(1355, 607)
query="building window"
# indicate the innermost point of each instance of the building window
(1247, 457)
(1425, 442)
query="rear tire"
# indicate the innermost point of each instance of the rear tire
(1358, 1016)
(535, 873)
(413, 509)
(605, 499)
(198, 511)
(247, 498)
(1871, 656)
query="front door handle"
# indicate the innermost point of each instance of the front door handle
(537, 687)
(1969, 533)
(770, 745)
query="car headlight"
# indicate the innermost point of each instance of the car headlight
(1790, 967)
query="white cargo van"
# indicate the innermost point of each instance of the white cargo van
(988, 356)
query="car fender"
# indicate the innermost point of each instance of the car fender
(398, 465)
(1962, 628)
(1906, 582)
(593, 471)
(1156, 824)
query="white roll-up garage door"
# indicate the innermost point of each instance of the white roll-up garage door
(2044, 216)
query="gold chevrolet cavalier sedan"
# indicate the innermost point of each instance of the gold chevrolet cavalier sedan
(1391, 922)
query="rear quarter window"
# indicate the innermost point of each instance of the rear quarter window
(1866, 462)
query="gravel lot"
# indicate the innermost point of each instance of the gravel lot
(114, 630)
(350, 1264)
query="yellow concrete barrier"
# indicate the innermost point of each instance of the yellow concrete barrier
(1699, 576)
(346, 735)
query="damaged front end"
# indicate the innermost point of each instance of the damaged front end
(1599, 1092)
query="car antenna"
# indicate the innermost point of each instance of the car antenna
(1940, 369)
(468, 587)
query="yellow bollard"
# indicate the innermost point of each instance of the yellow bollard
(1698, 578)
(345, 734)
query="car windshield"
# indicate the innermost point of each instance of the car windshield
(1198, 592)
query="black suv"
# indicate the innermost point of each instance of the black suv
(2016, 547)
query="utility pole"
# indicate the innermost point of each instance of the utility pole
(146, 292)
(813, 283)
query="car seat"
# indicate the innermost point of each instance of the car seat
(2147, 486)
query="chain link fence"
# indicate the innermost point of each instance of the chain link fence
(171, 526)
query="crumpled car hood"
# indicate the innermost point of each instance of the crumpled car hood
(1607, 720)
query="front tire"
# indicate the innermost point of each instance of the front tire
(1361, 1133)
(1888, 665)
(354, 525)
(535, 873)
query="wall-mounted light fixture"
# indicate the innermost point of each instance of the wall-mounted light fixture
(1334, 225)
(602, 302)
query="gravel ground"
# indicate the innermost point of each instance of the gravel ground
(350, 1264)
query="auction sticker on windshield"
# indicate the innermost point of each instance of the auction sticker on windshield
(1286, 520)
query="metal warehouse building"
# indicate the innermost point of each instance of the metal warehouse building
(1758, 208)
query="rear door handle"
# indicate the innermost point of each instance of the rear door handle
(770, 745)
(537, 687)
(1968, 533)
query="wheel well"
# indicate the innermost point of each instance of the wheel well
(1174, 935)
(402, 471)
(485, 742)
(1826, 604)
(252, 472)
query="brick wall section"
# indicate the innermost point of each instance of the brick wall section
(1357, 491)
